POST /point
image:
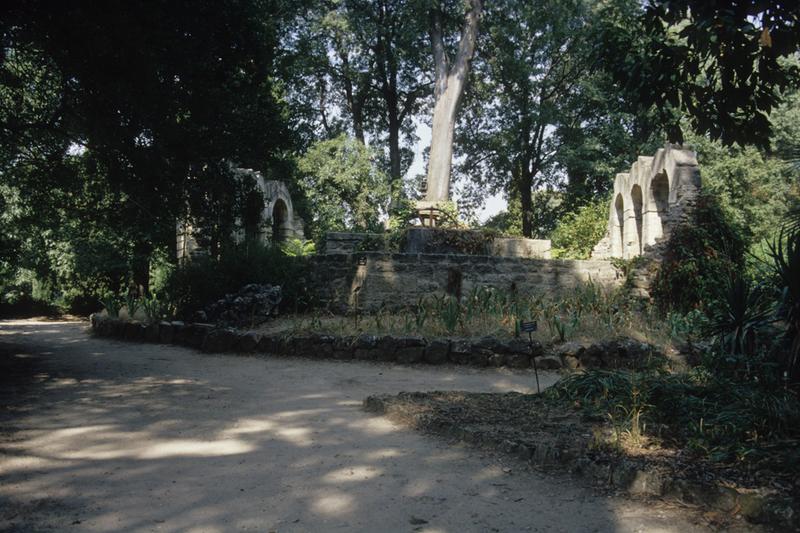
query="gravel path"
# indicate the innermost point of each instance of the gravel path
(98, 435)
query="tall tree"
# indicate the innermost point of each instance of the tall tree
(718, 63)
(450, 80)
(367, 58)
(541, 115)
(156, 94)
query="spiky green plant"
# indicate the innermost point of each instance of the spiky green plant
(739, 317)
(450, 313)
(112, 305)
(784, 253)
(155, 308)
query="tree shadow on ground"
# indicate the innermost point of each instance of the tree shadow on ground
(103, 435)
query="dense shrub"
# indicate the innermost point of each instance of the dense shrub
(580, 231)
(716, 417)
(195, 283)
(702, 255)
(17, 300)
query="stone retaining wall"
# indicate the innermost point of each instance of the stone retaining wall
(483, 352)
(375, 279)
(339, 242)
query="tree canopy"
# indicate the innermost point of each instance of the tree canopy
(118, 121)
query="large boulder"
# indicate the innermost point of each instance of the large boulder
(252, 305)
(248, 341)
(410, 354)
(548, 362)
(219, 340)
(436, 352)
(151, 332)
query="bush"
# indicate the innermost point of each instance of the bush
(196, 283)
(715, 417)
(579, 232)
(701, 256)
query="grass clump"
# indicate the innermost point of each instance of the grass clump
(586, 312)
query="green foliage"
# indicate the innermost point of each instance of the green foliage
(112, 305)
(344, 188)
(156, 308)
(740, 316)
(701, 255)
(578, 232)
(541, 115)
(785, 255)
(722, 67)
(448, 310)
(547, 206)
(587, 311)
(132, 304)
(753, 189)
(298, 247)
(459, 241)
(96, 168)
(688, 327)
(505, 223)
(715, 418)
(194, 284)
(403, 212)
(563, 327)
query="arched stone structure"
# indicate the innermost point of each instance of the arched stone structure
(280, 221)
(279, 217)
(617, 226)
(648, 201)
(268, 216)
(635, 242)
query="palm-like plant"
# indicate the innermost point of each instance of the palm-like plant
(740, 315)
(784, 253)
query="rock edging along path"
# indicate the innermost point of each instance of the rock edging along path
(484, 352)
(560, 441)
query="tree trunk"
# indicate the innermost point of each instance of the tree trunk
(447, 95)
(354, 97)
(141, 267)
(526, 202)
(394, 141)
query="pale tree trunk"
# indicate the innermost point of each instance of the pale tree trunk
(450, 81)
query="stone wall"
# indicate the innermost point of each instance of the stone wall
(397, 280)
(342, 242)
(521, 247)
(410, 349)
(348, 243)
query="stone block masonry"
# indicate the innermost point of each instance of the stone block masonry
(411, 349)
(376, 279)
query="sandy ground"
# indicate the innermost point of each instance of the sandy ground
(99, 435)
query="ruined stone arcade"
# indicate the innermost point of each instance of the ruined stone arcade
(648, 202)
(268, 217)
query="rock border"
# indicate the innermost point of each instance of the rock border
(615, 472)
(482, 352)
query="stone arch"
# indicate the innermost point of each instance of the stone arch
(654, 196)
(638, 205)
(253, 216)
(658, 206)
(281, 224)
(619, 229)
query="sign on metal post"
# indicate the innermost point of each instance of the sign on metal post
(529, 327)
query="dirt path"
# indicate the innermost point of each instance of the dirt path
(97, 435)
